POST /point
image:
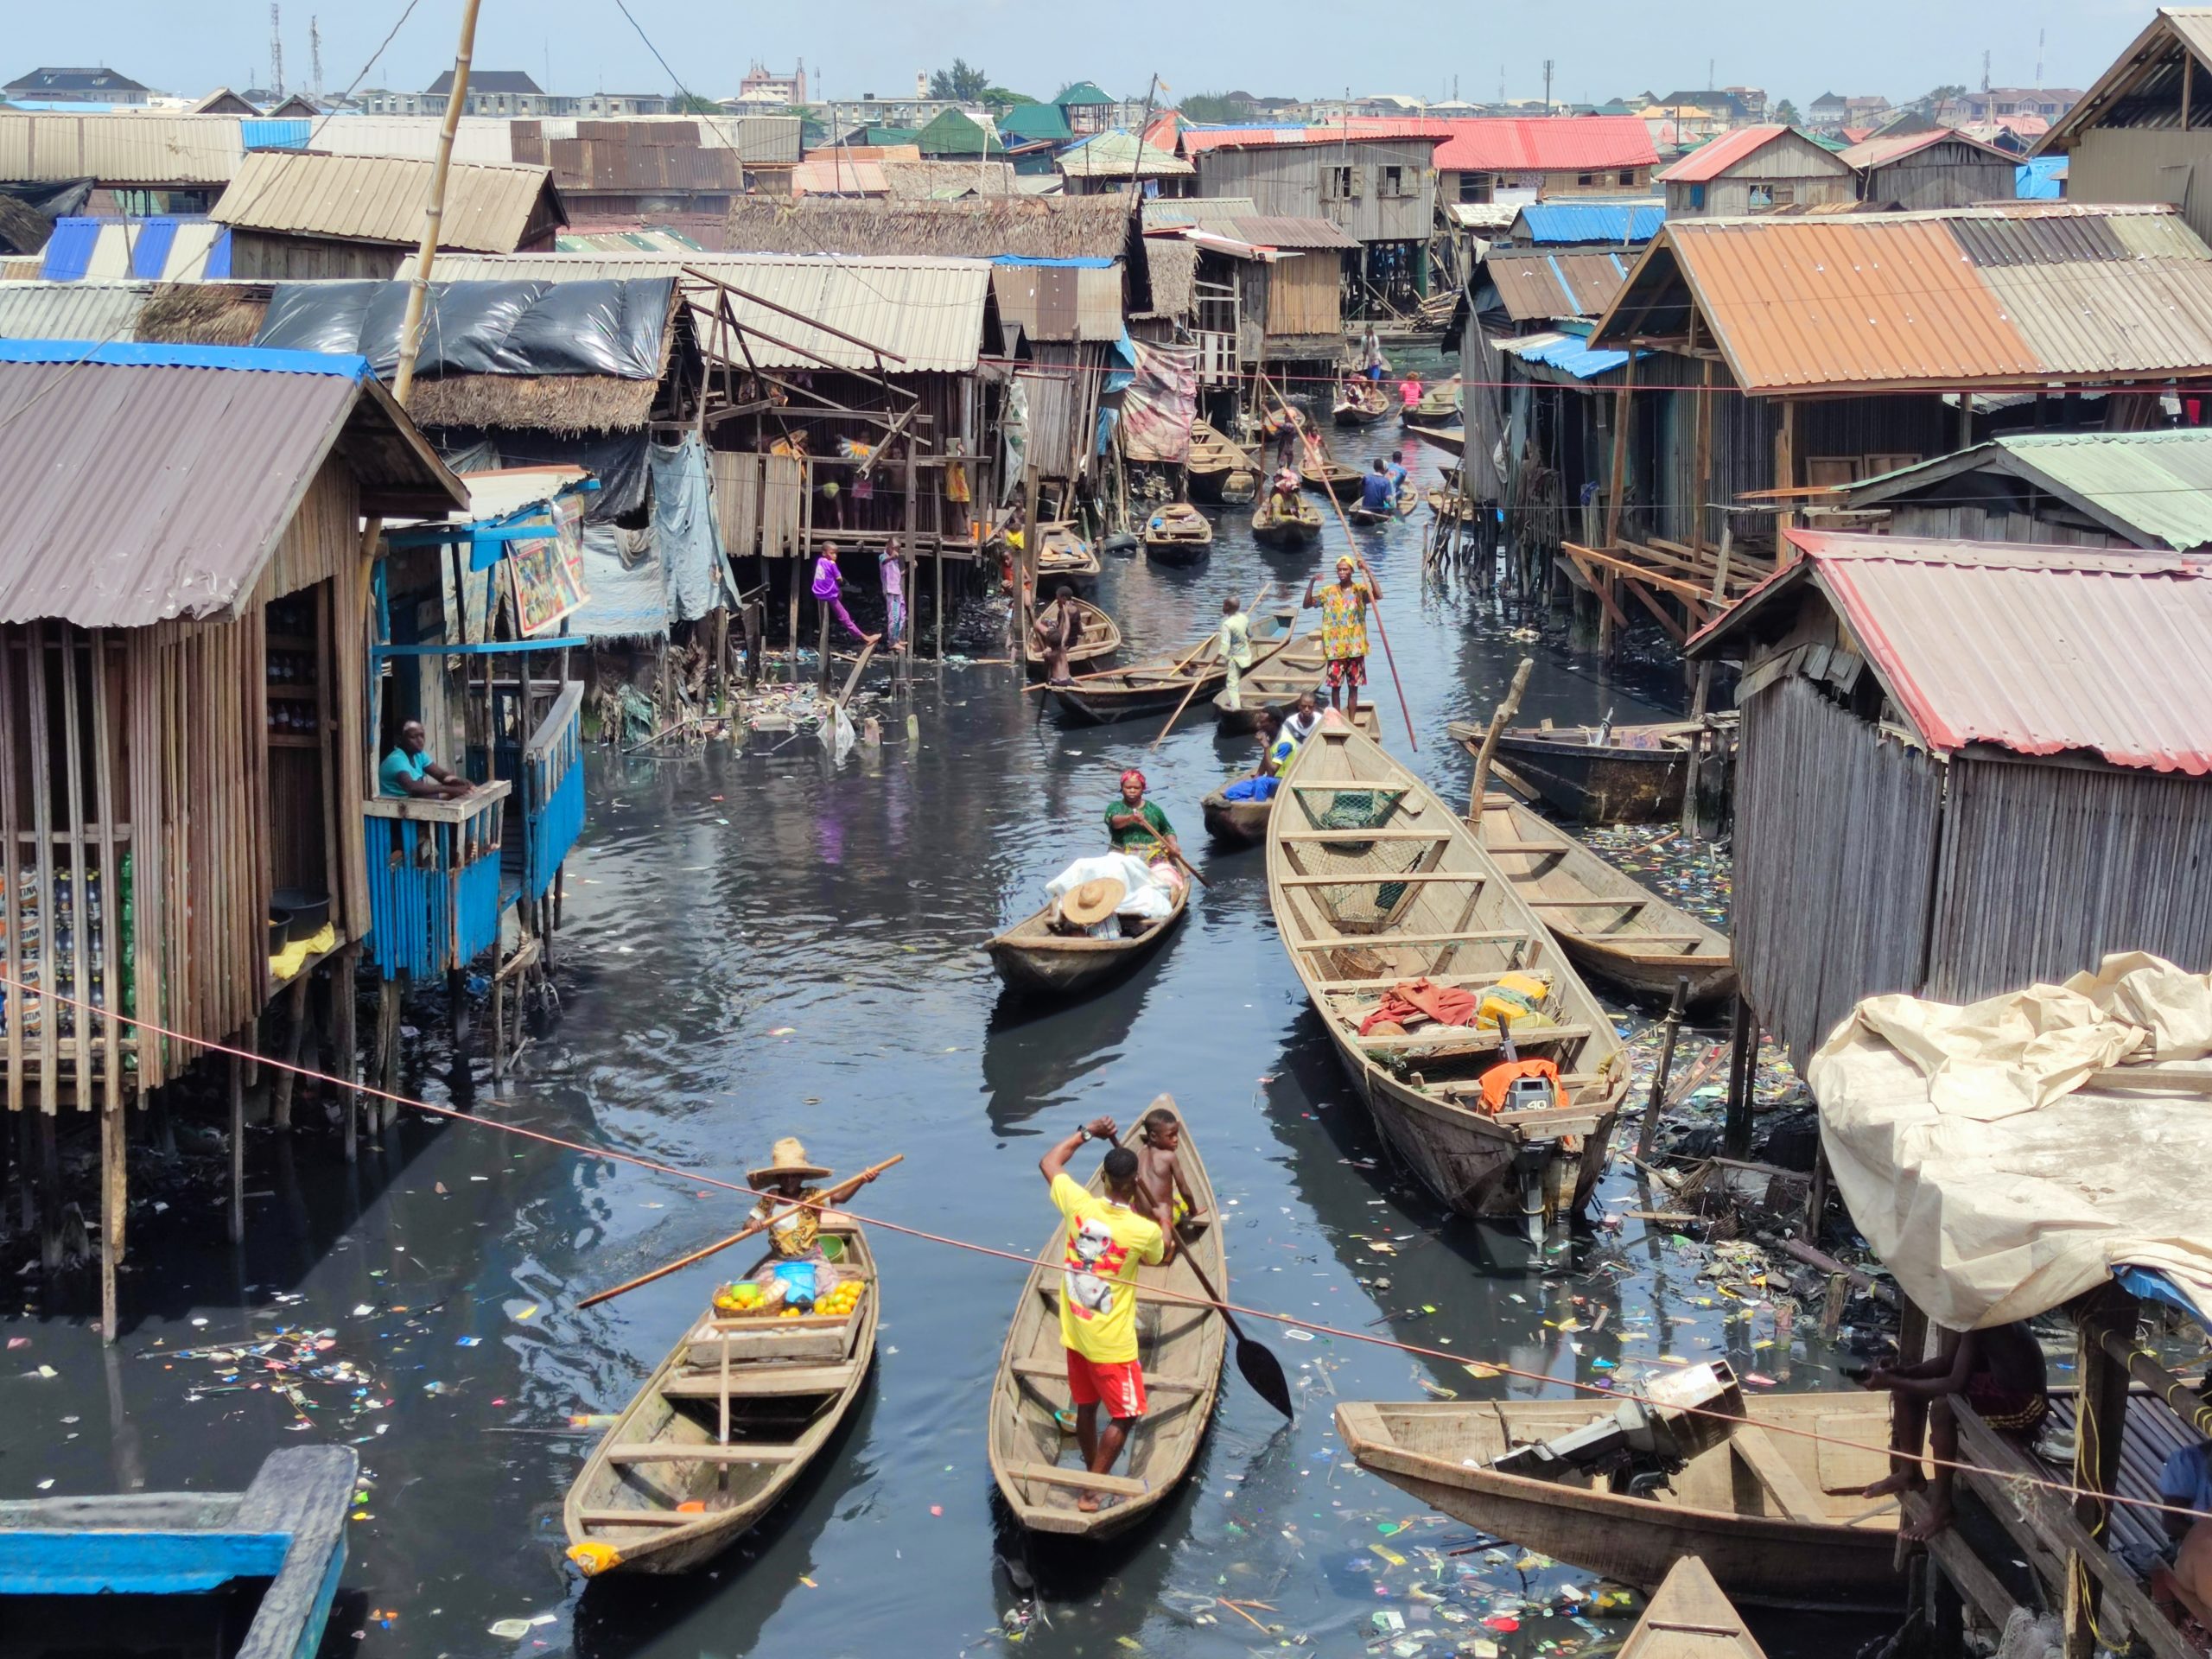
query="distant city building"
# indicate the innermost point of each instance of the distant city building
(1087, 109)
(763, 86)
(75, 86)
(509, 92)
(2048, 102)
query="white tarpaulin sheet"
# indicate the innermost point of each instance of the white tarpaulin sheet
(2003, 1157)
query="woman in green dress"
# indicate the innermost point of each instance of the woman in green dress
(1135, 826)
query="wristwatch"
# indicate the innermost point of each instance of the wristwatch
(1083, 1134)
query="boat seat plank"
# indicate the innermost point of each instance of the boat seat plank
(1582, 903)
(1363, 877)
(1050, 1474)
(1323, 836)
(1775, 1472)
(759, 1381)
(640, 1517)
(676, 1451)
(1473, 1037)
(1044, 1368)
(1372, 941)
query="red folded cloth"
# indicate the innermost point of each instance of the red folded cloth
(1412, 999)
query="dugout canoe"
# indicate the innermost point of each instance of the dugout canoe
(1100, 638)
(1597, 774)
(1360, 404)
(1035, 961)
(1777, 1517)
(1176, 534)
(1212, 459)
(1035, 1464)
(1438, 409)
(1438, 437)
(1331, 477)
(1610, 924)
(1689, 1618)
(729, 1421)
(1158, 684)
(1374, 880)
(1299, 666)
(1063, 556)
(1297, 524)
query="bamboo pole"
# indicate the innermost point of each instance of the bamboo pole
(418, 286)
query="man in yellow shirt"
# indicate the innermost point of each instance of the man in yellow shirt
(1107, 1240)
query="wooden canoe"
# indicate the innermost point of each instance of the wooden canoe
(1298, 525)
(1438, 437)
(1275, 685)
(1160, 683)
(729, 1421)
(1374, 880)
(1439, 408)
(1594, 774)
(1689, 1618)
(1778, 1518)
(1362, 403)
(1100, 638)
(1608, 924)
(1212, 459)
(1176, 534)
(1035, 1464)
(1063, 556)
(1036, 961)
(1332, 477)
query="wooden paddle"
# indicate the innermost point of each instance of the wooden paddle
(844, 1190)
(1191, 690)
(1257, 1362)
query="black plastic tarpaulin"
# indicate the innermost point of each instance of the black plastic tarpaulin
(610, 328)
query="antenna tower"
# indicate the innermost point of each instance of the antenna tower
(276, 49)
(314, 56)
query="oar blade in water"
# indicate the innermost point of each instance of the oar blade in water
(1264, 1372)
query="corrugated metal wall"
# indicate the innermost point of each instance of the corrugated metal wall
(2047, 868)
(2145, 164)
(1835, 839)
(1922, 183)
(1285, 181)
(1306, 295)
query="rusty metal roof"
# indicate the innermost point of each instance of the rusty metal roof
(2021, 293)
(1535, 285)
(928, 310)
(1283, 230)
(2068, 651)
(1060, 302)
(147, 482)
(381, 198)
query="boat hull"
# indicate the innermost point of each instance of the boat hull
(1598, 785)
(1437, 437)
(1178, 550)
(1081, 705)
(1237, 824)
(1060, 968)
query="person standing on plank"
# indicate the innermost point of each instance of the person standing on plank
(1057, 627)
(890, 563)
(1343, 605)
(1236, 646)
(830, 593)
(1107, 1240)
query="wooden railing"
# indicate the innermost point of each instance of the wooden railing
(552, 785)
(434, 879)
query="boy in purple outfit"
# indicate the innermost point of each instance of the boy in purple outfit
(829, 592)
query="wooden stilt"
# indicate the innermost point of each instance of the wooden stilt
(388, 1011)
(238, 1144)
(499, 994)
(348, 1056)
(26, 1164)
(49, 1193)
(112, 1200)
(280, 1095)
(1743, 1068)
(2097, 1435)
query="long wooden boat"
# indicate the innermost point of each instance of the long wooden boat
(1689, 1618)
(1063, 556)
(1033, 1460)
(73, 1570)
(1609, 924)
(1330, 477)
(1100, 638)
(1301, 665)
(1162, 683)
(1777, 1517)
(1036, 961)
(1360, 402)
(1286, 522)
(1597, 774)
(1176, 534)
(1450, 441)
(722, 1428)
(1400, 505)
(1438, 409)
(1213, 458)
(1374, 881)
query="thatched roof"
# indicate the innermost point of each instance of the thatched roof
(1174, 263)
(1036, 227)
(946, 180)
(204, 314)
(23, 229)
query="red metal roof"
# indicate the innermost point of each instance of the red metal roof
(1563, 143)
(2038, 650)
(1708, 161)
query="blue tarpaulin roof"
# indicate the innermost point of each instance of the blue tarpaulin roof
(184, 357)
(2041, 179)
(291, 133)
(1598, 221)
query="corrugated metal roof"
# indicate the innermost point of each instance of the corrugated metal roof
(1569, 354)
(1709, 160)
(1626, 223)
(1883, 150)
(1110, 156)
(182, 249)
(1060, 302)
(1534, 284)
(1373, 131)
(2069, 651)
(380, 199)
(833, 175)
(2012, 294)
(481, 139)
(1277, 230)
(87, 310)
(153, 482)
(1570, 144)
(150, 149)
(1212, 212)
(2155, 487)
(930, 311)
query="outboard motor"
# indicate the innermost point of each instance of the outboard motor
(1642, 1444)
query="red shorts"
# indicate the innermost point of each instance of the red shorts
(1347, 671)
(1119, 1387)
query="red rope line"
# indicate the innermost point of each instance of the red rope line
(1033, 1263)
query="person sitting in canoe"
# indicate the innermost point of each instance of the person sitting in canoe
(1276, 752)
(1162, 1189)
(1376, 492)
(1304, 720)
(1057, 627)
(791, 1209)
(1107, 1240)
(1135, 826)
(1998, 1372)
(1410, 390)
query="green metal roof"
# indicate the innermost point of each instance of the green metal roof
(1034, 121)
(954, 134)
(1079, 93)
(2153, 487)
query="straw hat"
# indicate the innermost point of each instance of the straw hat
(1093, 902)
(787, 1157)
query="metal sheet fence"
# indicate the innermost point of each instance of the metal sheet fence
(1836, 831)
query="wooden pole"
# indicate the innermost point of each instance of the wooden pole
(1504, 711)
(112, 1177)
(342, 1015)
(1785, 477)
(1743, 1080)
(1702, 695)
(2098, 1435)
(280, 1086)
(418, 286)
(1647, 1134)
(237, 1143)
(1025, 564)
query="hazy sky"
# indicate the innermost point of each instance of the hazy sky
(1287, 48)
